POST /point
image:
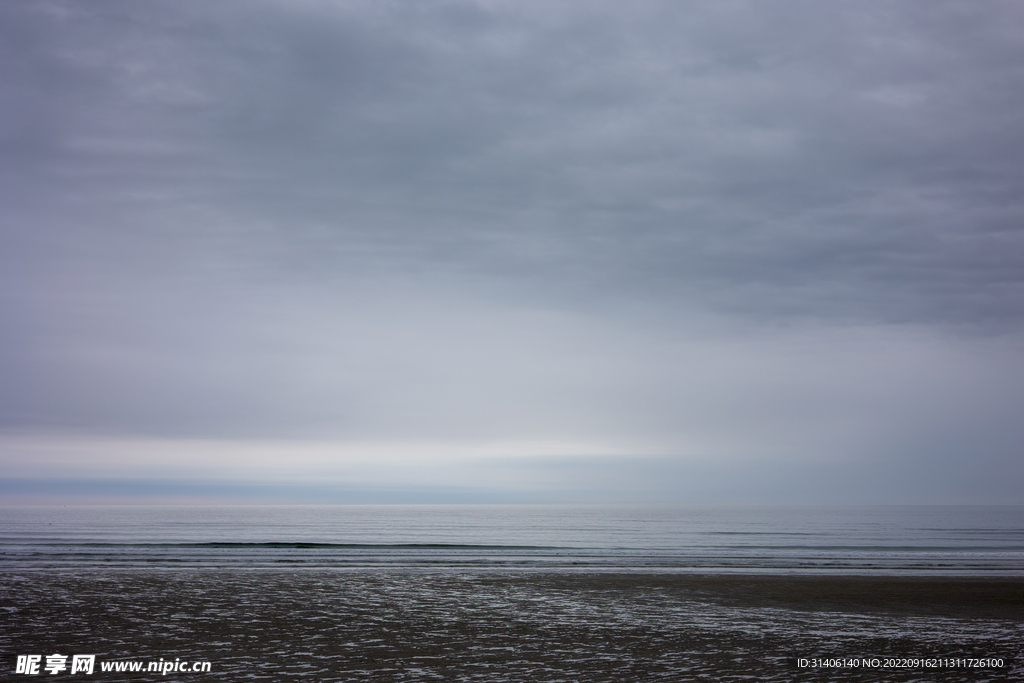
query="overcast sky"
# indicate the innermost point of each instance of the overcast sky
(583, 250)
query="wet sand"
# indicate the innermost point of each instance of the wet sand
(517, 626)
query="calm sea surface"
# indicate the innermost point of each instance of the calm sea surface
(892, 540)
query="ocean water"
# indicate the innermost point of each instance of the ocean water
(587, 594)
(915, 540)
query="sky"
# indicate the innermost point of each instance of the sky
(512, 251)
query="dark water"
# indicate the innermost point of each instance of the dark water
(514, 593)
(895, 540)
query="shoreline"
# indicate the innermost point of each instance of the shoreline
(602, 627)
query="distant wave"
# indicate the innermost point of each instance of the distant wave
(307, 545)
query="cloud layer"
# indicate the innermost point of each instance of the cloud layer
(754, 233)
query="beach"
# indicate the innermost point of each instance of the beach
(423, 625)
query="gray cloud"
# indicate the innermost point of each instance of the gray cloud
(653, 223)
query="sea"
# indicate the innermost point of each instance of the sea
(513, 594)
(915, 540)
